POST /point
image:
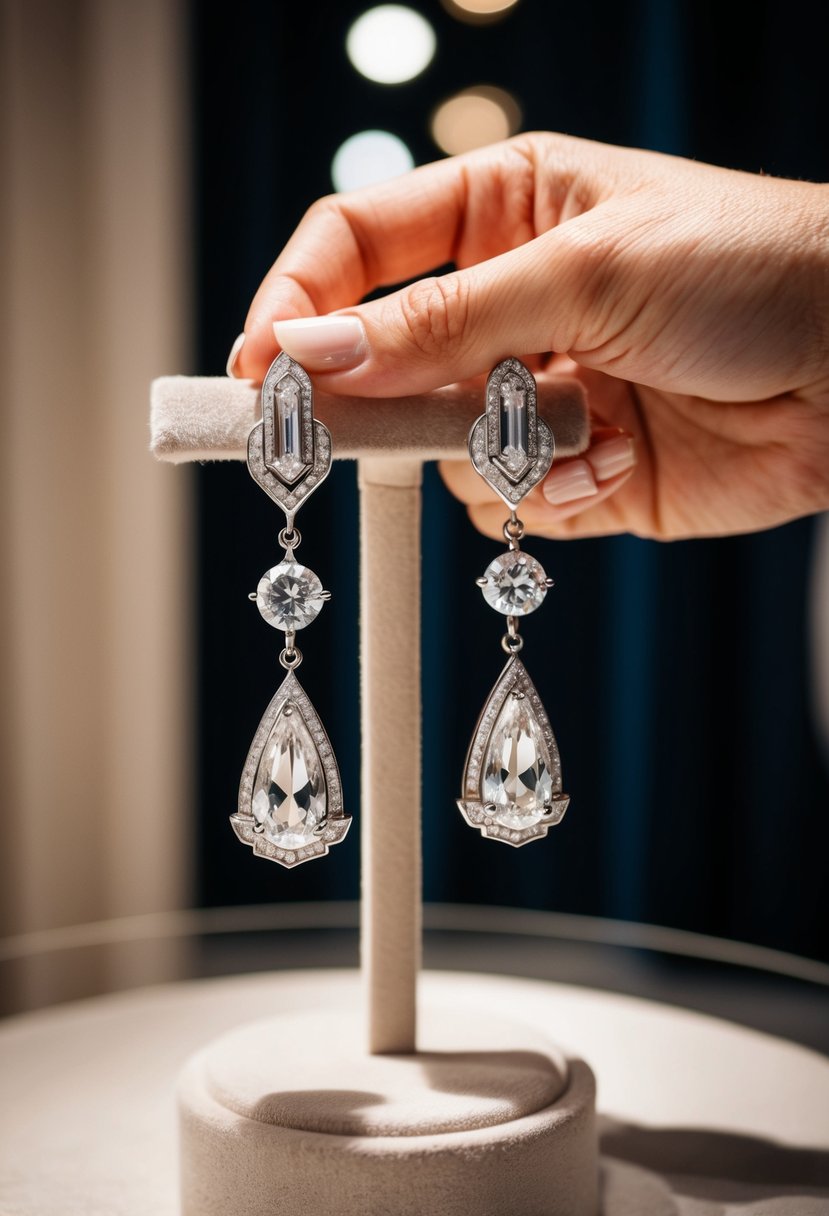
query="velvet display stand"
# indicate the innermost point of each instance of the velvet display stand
(311, 1113)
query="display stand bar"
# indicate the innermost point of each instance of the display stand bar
(209, 418)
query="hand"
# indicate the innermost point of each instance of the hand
(691, 302)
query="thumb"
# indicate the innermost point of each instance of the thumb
(445, 328)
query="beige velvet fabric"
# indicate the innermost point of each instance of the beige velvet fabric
(209, 418)
(289, 1116)
(390, 805)
(469, 1074)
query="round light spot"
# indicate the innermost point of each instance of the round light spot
(479, 10)
(369, 157)
(475, 117)
(390, 43)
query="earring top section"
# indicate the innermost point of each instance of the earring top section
(289, 451)
(510, 446)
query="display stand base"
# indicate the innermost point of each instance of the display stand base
(700, 1116)
(289, 1115)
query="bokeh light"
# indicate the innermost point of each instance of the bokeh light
(477, 116)
(368, 157)
(391, 43)
(479, 10)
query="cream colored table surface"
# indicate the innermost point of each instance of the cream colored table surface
(701, 1117)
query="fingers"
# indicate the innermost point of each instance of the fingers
(347, 245)
(572, 500)
(612, 451)
(602, 515)
(443, 329)
(466, 209)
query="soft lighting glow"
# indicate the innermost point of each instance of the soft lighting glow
(475, 117)
(479, 10)
(390, 43)
(368, 157)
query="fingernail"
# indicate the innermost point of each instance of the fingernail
(230, 366)
(612, 457)
(323, 343)
(569, 482)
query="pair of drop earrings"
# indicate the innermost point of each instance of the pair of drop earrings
(290, 797)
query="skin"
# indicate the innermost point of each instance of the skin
(691, 302)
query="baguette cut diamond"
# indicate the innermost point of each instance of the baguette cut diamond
(289, 596)
(514, 583)
(514, 428)
(288, 396)
(518, 780)
(289, 797)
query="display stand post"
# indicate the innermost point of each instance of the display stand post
(390, 810)
(308, 1111)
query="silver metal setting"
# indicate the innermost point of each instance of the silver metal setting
(475, 810)
(288, 480)
(289, 455)
(512, 449)
(292, 695)
(513, 479)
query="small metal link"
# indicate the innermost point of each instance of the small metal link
(513, 531)
(511, 642)
(290, 539)
(290, 658)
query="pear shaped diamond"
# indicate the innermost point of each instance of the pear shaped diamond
(290, 798)
(512, 787)
(518, 779)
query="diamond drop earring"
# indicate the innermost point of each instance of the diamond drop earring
(512, 788)
(290, 798)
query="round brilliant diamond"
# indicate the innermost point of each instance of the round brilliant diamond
(515, 584)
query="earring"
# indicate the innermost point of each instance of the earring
(290, 797)
(512, 788)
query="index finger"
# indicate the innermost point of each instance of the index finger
(463, 209)
(348, 244)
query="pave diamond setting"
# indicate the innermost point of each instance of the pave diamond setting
(290, 806)
(514, 583)
(511, 447)
(290, 797)
(512, 785)
(289, 451)
(289, 596)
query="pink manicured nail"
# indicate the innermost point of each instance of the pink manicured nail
(570, 481)
(323, 343)
(230, 366)
(612, 457)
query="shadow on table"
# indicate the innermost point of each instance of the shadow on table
(724, 1167)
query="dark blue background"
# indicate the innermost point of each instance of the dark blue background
(676, 675)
